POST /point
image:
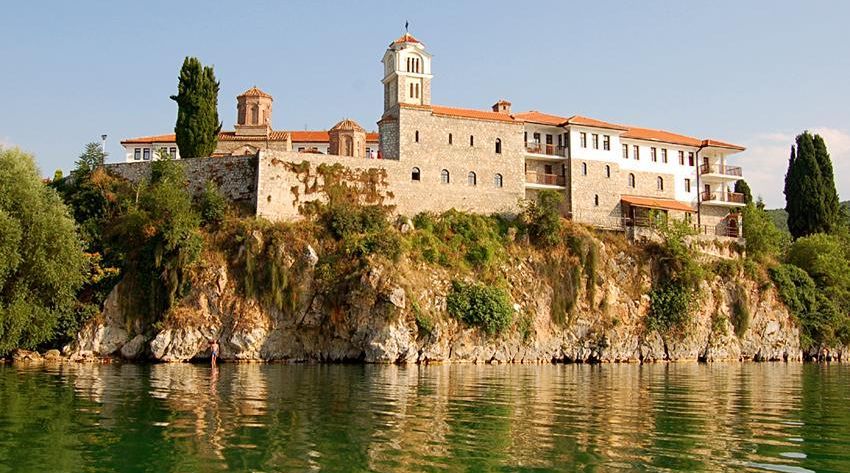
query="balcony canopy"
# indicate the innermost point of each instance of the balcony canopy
(650, 203)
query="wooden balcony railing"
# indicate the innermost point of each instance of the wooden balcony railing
(734, 171)
(547, 179)
(549, 150)
(733, 197)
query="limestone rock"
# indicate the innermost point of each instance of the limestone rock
(134, 348)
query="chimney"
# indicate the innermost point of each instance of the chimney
(502, 106)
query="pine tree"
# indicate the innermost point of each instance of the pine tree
(197, 124)
(832, 206)
(741, 187)
(804, 199)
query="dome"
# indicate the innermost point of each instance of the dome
(348, 125)
(255, 92)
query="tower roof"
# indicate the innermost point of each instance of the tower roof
(405, 38)
(254, 92)
(347, 124)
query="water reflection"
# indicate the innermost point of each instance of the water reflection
(251, 417)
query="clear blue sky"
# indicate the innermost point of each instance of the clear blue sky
(754, 72)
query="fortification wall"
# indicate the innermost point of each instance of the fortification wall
(235, 176)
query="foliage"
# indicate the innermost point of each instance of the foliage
(741, 311)
(542, 218)
(676, 277)
(742, 187)
(482, 306)
(197, 126)
(764, 241)
(459, 240)
(212, 205)
(92, 158)
(41, 260)
(821, 320)
(362, 230)
(424, 322)
(810, 195)
(826, 258)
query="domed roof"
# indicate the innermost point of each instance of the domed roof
(255, 92)
(405, 38)
(347, 124)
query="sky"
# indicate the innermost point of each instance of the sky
(754, 73)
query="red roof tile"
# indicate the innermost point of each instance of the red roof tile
(471, 113)
(254, 92)
(405, 38)
(304, 136)
(660, 135)
(720, 144)
(592, 122)
(533, 116)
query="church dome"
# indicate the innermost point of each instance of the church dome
(348, 125)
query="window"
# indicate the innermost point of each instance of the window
(653, 154)
(595, 141)
(497, 180)
(470, 178)
(584, 169)
(415, 175)
(416, 136)
(471, 140)
(636, 152)
(450, 138)
(606, 142)
(411, 90)
(444, 176)
(146, 154)
(547, 169)
(137, 154)
(525, 137)
(682, 158)
(687, 185)
(163, 151)
(583, 140)
(690, 159)
(498, 146)
(660, 183)
(596, 200)
(417, 90)
(632, 181)
(664, 155)
(537, 138)
(173, 152)
(607, 171)
(625, 151)
(300, 149)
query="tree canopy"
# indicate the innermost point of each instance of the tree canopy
(197, 124)
(42, 263)
(810, 196)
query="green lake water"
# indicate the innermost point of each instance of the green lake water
(270, 418)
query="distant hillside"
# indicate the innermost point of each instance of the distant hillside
(780, 216)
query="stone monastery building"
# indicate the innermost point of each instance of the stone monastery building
(437, 157)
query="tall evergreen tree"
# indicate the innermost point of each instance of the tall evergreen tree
(804, 195)
(831, 204)
(742, 187)
(197, 124)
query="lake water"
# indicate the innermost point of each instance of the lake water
(270, 418)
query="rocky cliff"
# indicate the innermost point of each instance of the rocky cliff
(396, 313)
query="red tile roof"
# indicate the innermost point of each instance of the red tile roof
(254, 92)
(303, 136)
(660, 135)
(592, 122)
(720, 144)
(667, 204)
(405, 38)
(533, 116)
(471, 113)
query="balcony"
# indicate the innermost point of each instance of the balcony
(728, 199)
(720, 170)
(554, 151)
(543, 181)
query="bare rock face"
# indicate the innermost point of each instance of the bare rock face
(134, 349)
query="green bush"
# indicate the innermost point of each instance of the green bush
(486, 307)
(212, 204)
(542, 218)
(459, 240)
(825, 258)
(670, 307)
(764, 240)
(741, 312)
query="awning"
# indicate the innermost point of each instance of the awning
(666, 204)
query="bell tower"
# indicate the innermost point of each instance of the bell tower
(407, 73)
(253, 113)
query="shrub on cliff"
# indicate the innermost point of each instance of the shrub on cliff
(212, 205)
(482, 306)
(542, 218)
(42, 264)
(764, 240)
(458, 240)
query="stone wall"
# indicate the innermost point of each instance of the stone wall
(235, 176)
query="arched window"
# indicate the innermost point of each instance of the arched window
(607, 171)
(255, 115)
(632, 181)
(416, 136)
(498, 146)
(417, 91)
(411, 90)
(596, 200)
(415, 174)
(471, 140)
(470, 178)
(450, 138)
(497, 180)
(444, 176)
(584, 169)
(660, 182)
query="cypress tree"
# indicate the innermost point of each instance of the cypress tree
(803, 195)
(829, 196)
(742, 187)
(197, 124)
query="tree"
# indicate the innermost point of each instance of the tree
(832, 206)
(742, 187)
(542, 218)
(92, 158)
(42, 263)
(197, 124)
(806, 199)
(764, 239)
